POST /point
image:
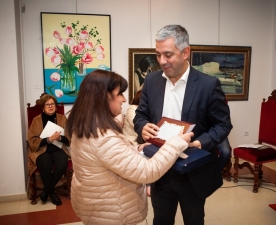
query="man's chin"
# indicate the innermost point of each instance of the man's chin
(167, 71)
(169, 75)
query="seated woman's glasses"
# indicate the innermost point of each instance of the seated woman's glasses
(50, 105)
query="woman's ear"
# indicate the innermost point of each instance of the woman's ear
(109, 96)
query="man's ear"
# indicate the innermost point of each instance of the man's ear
(186, 52)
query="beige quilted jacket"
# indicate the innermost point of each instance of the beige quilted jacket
(109, 173)
(128, 128)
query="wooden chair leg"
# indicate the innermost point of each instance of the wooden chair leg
(261, 172)
(33, 189)
(258, 176)
(69, 174)
(236, 167)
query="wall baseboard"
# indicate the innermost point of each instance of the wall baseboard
(11, 198)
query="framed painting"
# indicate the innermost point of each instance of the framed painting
(141, 61)
(230, 64)
(73, 45)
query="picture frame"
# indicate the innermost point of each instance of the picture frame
(230, 64)
(141, 61)
(73, 45)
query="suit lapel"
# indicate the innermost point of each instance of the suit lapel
(189, 93)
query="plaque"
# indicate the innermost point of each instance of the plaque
(169, 128)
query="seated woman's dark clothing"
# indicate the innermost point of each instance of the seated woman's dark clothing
(52, 164)
(43, 154)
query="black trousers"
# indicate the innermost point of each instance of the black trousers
(166, 193)
(51, 165)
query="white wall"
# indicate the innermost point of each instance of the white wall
(249, 23)
(11, 159)
(134, 25)
(273, 58)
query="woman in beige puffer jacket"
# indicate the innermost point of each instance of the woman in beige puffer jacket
(109, 173)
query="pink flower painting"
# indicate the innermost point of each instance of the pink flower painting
(75, 48)
(74, 45)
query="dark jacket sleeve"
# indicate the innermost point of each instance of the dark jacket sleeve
(143, 114)
(211, 116)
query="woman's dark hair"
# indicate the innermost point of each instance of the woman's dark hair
(44, 98)
(145, 62)
(91, 110)
(136, 98)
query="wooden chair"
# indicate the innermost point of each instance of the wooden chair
(267, 136)
(34, 187)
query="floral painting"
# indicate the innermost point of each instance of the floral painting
(73, 45)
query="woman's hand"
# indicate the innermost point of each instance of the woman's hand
(141, 147)
(55, 137)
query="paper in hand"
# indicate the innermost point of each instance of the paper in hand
(51, 128)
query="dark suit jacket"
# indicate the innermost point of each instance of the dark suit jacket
(205, 105)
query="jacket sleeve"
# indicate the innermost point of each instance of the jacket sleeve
(218, 115)
(142, 113)
(62, 122)
(34, 133)
(130, 116)
(124, 160)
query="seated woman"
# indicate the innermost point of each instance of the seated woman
(48, 158)
(109, 172)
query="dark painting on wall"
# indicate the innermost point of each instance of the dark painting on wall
(141, 62)
(230, 64)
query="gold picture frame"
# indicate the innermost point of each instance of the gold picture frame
(230, 64)
(146, 58)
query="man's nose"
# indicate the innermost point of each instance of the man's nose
(162, 60)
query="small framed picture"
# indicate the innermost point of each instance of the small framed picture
(141, 62)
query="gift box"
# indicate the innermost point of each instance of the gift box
(196, 158)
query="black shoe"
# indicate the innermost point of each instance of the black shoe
(55, 199)
(44, 197)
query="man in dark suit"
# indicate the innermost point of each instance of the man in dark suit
(183, 93)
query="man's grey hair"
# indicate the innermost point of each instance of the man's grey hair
(177, 32)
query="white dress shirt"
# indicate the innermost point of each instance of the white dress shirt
(174, 96)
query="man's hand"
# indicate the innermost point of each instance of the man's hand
(149, 131)
(196, 144)
(186, 137)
